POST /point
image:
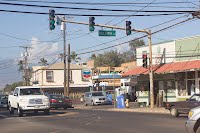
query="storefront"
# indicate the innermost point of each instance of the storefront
(173, 82)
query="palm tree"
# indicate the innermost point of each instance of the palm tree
(43, 62)
(61, 56)
(21, 66)
(92, 57)
(74, 57)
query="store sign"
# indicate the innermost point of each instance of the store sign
(86, 74)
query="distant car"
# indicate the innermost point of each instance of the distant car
(183, 107)
(3, 101)
(69, 102)
(59, 101)
(192, 125)
(95, 98)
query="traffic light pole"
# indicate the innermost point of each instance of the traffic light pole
(148, 32)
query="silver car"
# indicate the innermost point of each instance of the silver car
(192, 125)
(95, 98)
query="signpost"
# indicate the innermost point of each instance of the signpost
(107, 33)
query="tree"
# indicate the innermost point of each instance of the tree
(74, 57)
(61, 56)
(128, 56)
(21, 66)
(110, 58)
(10, 87)
(92, 57)
(43, 62)
(134, 44)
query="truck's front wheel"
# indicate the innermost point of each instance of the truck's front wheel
(11, 109)
(46, 112)
(19, 112)
(174, 112)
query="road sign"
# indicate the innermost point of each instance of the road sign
(107, 33)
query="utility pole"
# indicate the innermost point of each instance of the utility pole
(151, 70)
(64, 55)
(68, 69)
(25, 55)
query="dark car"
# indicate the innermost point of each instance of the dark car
(3, 101)
(183, 107)
(59, 101)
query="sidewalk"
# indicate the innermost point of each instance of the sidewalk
(138, 109)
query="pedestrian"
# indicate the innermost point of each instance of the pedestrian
(127, 97)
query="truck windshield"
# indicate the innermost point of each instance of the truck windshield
(31, 91)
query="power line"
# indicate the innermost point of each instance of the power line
(97, 3)
(99, 15)
(136, 38)
(94, 9)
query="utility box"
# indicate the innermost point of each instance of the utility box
(120, 102)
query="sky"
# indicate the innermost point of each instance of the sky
(18, 30)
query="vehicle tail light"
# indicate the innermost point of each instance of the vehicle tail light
(53, 100)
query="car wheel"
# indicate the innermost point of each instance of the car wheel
(85, 104)
(174, 112)
(198, 130)
(46, 112)
(11, 109)
(19, 112)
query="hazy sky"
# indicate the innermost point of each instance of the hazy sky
(33, 30)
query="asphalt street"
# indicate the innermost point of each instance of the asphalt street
(90, 121)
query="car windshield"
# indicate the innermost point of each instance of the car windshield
(56, 96)
(3, 97)
(97, 94)
(195, 98)
(31, 91)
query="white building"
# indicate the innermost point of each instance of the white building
(52, 77)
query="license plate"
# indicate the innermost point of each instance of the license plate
(37, 106)
(60, 101)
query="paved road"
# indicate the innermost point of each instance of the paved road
(90, 121)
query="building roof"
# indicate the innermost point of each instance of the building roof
(166, 68)
(60, 65)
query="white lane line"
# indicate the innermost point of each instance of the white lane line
(4, 116)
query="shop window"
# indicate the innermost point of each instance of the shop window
(191, 87)
(191, 75)
(49, 76)
(199, 74)
(180, 76)
(169, 86)
(182, 88)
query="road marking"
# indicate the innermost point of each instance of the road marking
(68, 113)
(4, 116)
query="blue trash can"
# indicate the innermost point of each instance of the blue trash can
(120, 102)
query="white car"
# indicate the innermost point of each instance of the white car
(192, 125)
(28, 98)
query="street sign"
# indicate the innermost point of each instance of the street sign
(107, 33)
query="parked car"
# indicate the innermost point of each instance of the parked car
(95, 98)
(183, 107)
(59, 101)
(3, 101)
(192, 125)
(28, 98)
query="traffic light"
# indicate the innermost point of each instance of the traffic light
(128, 28)
(91, 23)
(51, 19)
(144, 60)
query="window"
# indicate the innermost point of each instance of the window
(49, 76)
(16, 91)
(191, 75)
(31, 91)
(182, 88)
(195, 98)
(191, 87)
(199, 74)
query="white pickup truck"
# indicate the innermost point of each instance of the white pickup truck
(28, 98)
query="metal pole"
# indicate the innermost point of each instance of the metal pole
(151, 71)
(64, 55)
(114, 89)
(25, 61)
(68, 69)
